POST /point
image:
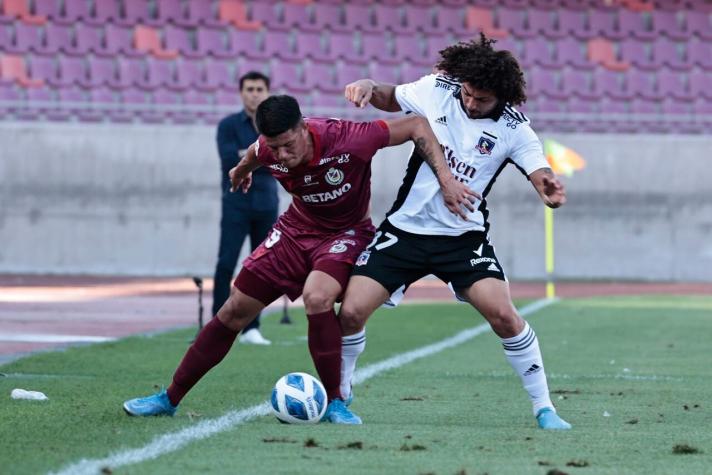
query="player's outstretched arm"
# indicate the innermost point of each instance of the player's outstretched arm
(241, 175)
(456, 194)
(381, 96)
(550, 189)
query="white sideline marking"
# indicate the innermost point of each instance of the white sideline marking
(173, 441)
(52, 338)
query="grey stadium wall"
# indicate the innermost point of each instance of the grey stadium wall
(144, 200)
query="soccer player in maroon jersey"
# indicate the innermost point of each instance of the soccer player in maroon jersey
(326, 165)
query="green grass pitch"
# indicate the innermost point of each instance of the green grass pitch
(632, 374)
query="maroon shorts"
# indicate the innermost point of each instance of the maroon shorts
(281, 264)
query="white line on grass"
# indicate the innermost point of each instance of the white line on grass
(173, 441)
(52, 338)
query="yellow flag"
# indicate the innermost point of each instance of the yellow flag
(562, 159)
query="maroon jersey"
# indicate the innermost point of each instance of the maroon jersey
(333, 191)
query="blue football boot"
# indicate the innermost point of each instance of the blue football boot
(338, 413)
(156, 405)
(548, 419)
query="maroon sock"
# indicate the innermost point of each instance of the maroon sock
(325, 349)
(211, 346)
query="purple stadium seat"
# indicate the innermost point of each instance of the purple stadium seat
(27, 38)
(514, 21)
(130, 73)
(547, 4)
(578, 105)
(436, 43)
(635, 24)
(421, 18)
(327, 16)
(408, 48)
(44, 69)
(641, 105)
(673, 85)
(57, 38)
(73, 12)
(381, 74)
(607, 83)
(5, 38)
(247, 65)
(703, 107)
(451, 19)
(99, 98)
(213, 42)
(668, 23)
(572, 22)
(641, 85)
(298, 16)
(638, 53)
(343, 46)
(88, 39)
(197, 98)
(328, 100)
(602, 23)
(288, 76)
(541, 82)
(572, 52)
(410, 73)
(542, 22)
(119, 40)
(267, 13)
(310, 45)
(172, 11)
(321, 76)
(348, 73)
(699, 25)
(137, 11)
(699, 52)
(49, 9)
(102, 72)
(577, 83)
(105, 11)
(539, 51)
(360, 17)
(244, 43)
(669, 54)
(201, 12)
(188, 75)
(220, 75)
(390, 17)
(178, 39)
(377, 47)
(281, 45)
(700, 84)
(72, 72)
(159, 74)
(9, 93)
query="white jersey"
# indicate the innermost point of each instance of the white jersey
(476, 150)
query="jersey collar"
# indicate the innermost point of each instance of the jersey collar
(316, 139)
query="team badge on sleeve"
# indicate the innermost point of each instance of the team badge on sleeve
(363, 258)
(485, 146)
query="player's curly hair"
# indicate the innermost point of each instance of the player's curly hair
(477, 63)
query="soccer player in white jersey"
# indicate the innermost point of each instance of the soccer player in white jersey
(469, 105)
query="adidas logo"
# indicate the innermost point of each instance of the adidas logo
(493, 267)
(532, 369)
(441, 120)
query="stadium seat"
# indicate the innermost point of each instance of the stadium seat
(343, 46)
(673, 85)
(88, 39)
(638, 53)
(571, 52)
(311, 45)
(188, 75)
(327, 16)
(452, 20)
(390, 17)
(117, 40)
(173, 12)
(280, 44)
(267, 13)
(105, 11)
(218, 75)
(481, 19)
(510, 20)
(603, 23)
(202, 13)
(48, 9)
(600, 51)
(26, 39)
(297, 16)
(321, 77)
(72, 72)
(235, 13)
(435, 44)
(547, 83)
(671, 55)
(130, 73)
(288, 76)
(14, 70)
(579, 84)
(539, 51)
(246, 43)
(57, 39)
(669, 23)
(699, 84)
(348, 73)
(421, 19)
(573, 23)
(544, 22)
(136, 12)
(159, 74)
(13, 9)
(610, 84)
(409, 48)
(698, 53)
(385, 75)
(214, 42)
(378, 48)
(410, 73)
(699, 24)
(102, 72)
(360, 17)
(148, 40)
(579, 5)
(181, 40)
(641, 85)
(635, 24)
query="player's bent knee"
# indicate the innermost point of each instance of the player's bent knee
(505, 322)
(317, 301)
(352, 318)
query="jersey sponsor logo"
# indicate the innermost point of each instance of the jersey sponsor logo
(462, 171)
(363, 258)
(441, 120)
(273, 238)
(279, 168)
(343, 158)
(328, 196)
(334, 176)
(447, 84)
(474, 262)
(485, 146)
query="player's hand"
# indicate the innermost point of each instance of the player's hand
(237, 182)
(359, 92)
(458, 197)
(554, 192)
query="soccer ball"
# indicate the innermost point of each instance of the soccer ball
(298, 398)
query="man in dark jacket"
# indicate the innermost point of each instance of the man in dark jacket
(252, 213)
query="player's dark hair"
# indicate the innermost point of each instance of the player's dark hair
(277, 114)
(477, 63)
(254, 76)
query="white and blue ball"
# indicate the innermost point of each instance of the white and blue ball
(298, 398)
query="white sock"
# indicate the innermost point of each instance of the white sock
(523, 354)
(351, 348)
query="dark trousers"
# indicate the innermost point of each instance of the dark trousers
(235, 225)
